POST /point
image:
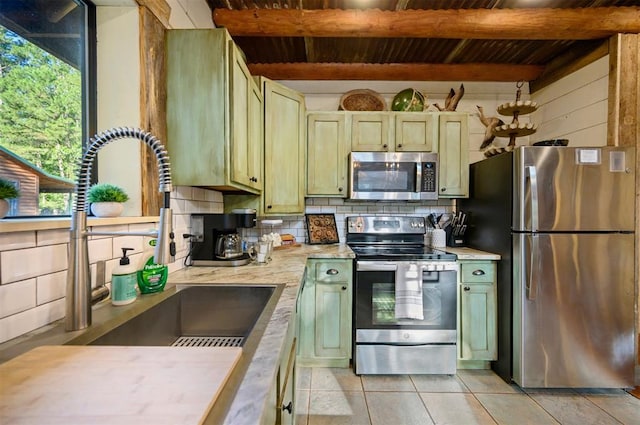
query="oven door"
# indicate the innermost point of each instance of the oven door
(375, 319)
(385, 344)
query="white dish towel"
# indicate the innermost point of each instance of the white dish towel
(409, 291)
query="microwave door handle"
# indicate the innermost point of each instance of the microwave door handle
(419, 177)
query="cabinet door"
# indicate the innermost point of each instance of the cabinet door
(256, 137)
(478, 321)
(285, 406)
(327, 155)
(284, 162)
(242, 103)
(370, 132)
(416, 132)
(197, 90)
(453, 155)
(332, 334)
(478, 314)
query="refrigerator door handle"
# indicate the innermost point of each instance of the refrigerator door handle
(534, 267)
(533, 185)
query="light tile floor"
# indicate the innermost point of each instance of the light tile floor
(337, 396)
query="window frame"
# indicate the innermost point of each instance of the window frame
(88, 95)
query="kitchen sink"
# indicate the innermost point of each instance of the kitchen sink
(202, 315)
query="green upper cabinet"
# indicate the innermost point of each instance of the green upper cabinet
(370, 131)
(284, 149)
(393, 131)
(453, 155)
(327, 154)
(246, 126)
(214, 113)
(416, 132)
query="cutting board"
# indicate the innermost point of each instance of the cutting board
(113, 385)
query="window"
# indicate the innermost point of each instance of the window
(47, 102)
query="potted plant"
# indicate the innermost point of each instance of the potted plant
(106, 199)
(7, 191)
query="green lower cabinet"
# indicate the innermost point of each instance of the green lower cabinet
(325, 314)
(478, 316)
(286, 401)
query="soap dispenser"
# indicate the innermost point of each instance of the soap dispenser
(123, 281)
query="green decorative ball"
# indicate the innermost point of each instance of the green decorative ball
(408, 100)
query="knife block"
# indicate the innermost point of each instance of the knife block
(454, 240)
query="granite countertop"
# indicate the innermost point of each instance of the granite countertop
(465, 253)
(251, 400)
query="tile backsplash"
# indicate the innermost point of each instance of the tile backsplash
(296, 225)
(33, 264)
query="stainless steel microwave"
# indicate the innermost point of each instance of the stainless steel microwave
(390, 176)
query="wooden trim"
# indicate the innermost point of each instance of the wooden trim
(623, 128)
(487, 24)
(153, 104)
(396, 71)
(624, 90)
(566, 65)
(158, 8)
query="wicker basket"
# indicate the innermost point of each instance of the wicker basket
(362, 100)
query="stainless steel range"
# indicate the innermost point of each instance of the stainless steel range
(404, 300)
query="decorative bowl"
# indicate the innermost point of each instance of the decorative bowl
(408, 100)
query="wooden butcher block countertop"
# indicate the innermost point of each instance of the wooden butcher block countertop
(113, 385)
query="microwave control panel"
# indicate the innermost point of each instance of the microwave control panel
(429, 178)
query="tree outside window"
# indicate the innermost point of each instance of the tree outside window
(42, 113)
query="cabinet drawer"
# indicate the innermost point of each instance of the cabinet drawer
(339, 271)
(477, 272)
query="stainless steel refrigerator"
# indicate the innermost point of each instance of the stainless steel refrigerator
(562, 219)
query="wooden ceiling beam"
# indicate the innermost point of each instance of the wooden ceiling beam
(159, 8)
(487, 24)
(567, 64)
(396, 71)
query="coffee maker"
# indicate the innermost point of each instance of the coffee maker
(216, 241)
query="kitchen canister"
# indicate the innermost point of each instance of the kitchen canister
(438, 238)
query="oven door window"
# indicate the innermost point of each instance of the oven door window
(383, 306)
(384, 177)
(375, 301)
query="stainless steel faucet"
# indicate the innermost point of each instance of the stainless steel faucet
(78, 297)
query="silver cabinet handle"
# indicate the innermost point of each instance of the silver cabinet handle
(332, 272)
(477, 272)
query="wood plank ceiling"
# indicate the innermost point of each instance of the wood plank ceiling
(435, 40)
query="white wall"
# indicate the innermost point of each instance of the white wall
(118, 96)
(575, 107)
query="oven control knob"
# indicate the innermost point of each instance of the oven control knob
(406, 336)
(431, 267)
